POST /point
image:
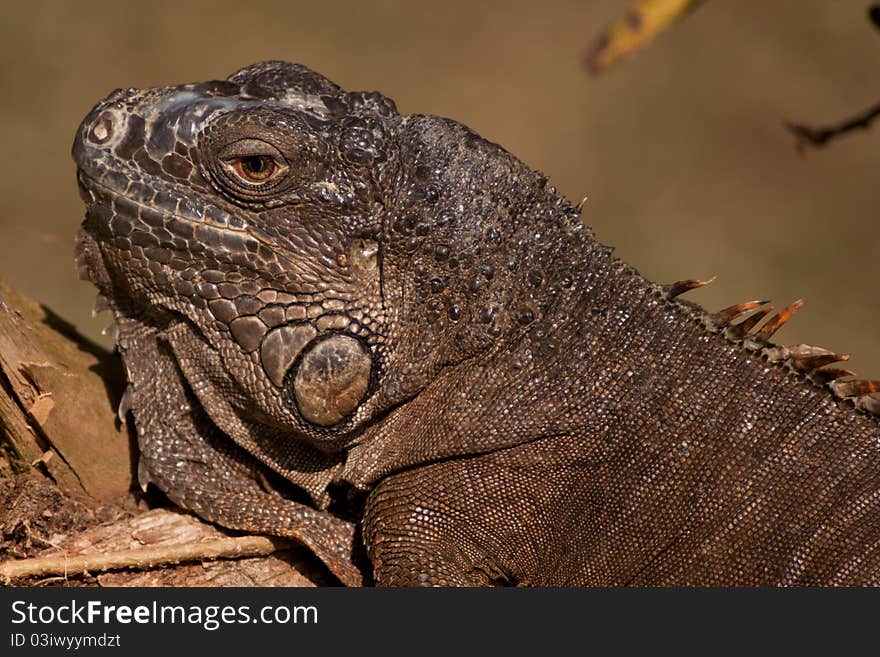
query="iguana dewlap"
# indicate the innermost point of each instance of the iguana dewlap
(316, 296)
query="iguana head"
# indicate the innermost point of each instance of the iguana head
(335, 254)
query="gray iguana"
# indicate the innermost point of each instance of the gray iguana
(349, 326)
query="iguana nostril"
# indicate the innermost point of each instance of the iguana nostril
(102, 129)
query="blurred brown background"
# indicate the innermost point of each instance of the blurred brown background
(680, 148)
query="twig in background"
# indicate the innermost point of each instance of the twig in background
(819, 136)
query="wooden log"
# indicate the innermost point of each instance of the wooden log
(165, 547)
(58, 394)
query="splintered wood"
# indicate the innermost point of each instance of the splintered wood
(58, 393)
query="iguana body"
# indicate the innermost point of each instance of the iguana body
(308, 284)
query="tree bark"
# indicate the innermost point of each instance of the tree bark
(58, 392)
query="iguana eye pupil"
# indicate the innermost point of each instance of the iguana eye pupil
(255, 165)
(255, 168)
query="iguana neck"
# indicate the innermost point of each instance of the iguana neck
(614, 361)
(477, 249)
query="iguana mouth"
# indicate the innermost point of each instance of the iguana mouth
(152, 208)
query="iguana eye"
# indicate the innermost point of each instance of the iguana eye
(251, 166)
(255, 169)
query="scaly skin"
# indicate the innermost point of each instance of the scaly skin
(308, 284)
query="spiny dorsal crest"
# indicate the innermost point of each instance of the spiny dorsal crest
(805, 359)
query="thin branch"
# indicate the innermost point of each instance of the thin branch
(147, 557)
(819, 136)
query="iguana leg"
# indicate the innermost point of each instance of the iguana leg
(462, 522)
(412, 540)
(533, 514)
(200, 469)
